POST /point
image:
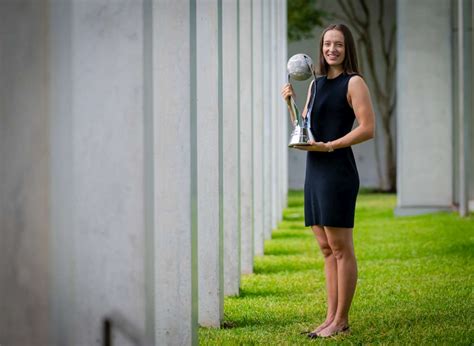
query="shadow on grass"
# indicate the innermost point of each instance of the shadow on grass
(290, 235)
(256, 320)
(261, 293)
(294, 216)
(286, 265)
(283, 251)
(459, 249)
(278, 269)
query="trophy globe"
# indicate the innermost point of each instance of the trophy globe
(299, 67)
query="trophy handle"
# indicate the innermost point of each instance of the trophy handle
(294, 113)
(307, 118)
(293, 108)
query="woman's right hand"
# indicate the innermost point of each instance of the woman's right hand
(287, 92)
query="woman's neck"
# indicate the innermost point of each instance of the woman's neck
(334, 71)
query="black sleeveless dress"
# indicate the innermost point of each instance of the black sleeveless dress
(332, 180)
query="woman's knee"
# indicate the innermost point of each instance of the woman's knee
(326, 250)
(318, 231)
(341, 249)
(322, 239)
(341, 244)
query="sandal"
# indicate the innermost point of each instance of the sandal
(345, 330)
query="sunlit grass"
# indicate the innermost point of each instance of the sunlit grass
(415, 282)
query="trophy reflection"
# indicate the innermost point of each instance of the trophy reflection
(300, 67)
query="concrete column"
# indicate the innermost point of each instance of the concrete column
(471, 112)
(211, 301)
(175, 169)
(281, 120)
(424, 132)
(231, 143)
(246, 140)
(275, 195)
(63, 278)
(283, 113)
(278, 138)
(464, 76)
(257, 73)
(96, 141)
(267, 117)
(24, 175)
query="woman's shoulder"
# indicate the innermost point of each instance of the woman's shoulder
(354, 79)
(354, 75)
(356, 82)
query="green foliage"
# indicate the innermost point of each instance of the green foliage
(303, 16)
(415, 282)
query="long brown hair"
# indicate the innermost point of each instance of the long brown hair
(349, 64)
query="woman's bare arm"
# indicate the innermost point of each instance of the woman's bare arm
(362, 105)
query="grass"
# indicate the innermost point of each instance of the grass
(415, 283)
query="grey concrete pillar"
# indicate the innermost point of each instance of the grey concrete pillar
(424, 113)
(470, 120)
(278, 139)
(211, 301)
(283, 110)
(464, 102)
(24, 174)
(275, 195)
(267, 117)
(175, 169)
(258, 137)
(280, 120)
(63, 302)
(246, 138)
(97, 167)
(231, 143)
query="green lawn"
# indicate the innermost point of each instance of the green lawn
(415, 282)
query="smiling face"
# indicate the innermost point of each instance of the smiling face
(333, 48)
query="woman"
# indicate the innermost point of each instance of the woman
(332, 180)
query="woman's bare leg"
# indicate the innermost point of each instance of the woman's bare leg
(342, 246)
(330, 269)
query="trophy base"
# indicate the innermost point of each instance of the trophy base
(300, 137)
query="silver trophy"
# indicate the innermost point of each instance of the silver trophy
(300, 67)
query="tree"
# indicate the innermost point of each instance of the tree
(303, 17)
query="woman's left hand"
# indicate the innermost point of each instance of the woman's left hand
(314, 146)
